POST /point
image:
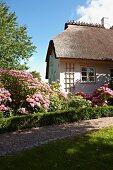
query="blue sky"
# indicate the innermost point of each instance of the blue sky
(46, 18)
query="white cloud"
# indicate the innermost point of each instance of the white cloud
(95, 10)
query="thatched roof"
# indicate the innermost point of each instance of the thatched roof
(83, 41)
(86, 42)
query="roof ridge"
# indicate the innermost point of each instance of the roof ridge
(78, 23)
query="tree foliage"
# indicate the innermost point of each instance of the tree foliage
(36, 75)
(15, 45)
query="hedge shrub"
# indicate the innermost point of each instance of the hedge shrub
(51, 118)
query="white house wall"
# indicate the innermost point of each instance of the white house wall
(54, 72)
(102, 74)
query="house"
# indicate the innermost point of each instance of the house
(81, 57)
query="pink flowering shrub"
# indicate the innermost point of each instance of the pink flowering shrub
(38, 102)
(48, 98)
(4, 99)
(28, 94)
(85, 96)
(100, 96)
(16, 82)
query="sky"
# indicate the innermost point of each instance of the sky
(46, 18)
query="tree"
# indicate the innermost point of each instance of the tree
(15, 45)
(36, 75)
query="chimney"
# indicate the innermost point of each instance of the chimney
(105, 22)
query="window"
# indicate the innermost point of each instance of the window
(69, 77)
(87, 74)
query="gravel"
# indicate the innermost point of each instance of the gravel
(24, 139)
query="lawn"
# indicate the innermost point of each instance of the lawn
(89, 152)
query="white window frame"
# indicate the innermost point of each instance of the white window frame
(87, 74)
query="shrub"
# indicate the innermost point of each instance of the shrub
(55, 86)
(101, 95)
(16, 82)
(50, 118)
(78, 102)
(5, 100)
(27, 93)
(85, 96)
(58, 101)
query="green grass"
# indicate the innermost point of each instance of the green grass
(89, 152)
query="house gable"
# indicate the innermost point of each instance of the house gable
(81, 45)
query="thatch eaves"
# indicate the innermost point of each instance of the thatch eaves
(85, 42)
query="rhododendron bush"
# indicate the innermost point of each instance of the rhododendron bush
(27, 94)
(100, 96)
(4, 99)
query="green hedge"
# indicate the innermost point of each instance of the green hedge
(51, 118)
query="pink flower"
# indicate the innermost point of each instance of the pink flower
(95, 105)
(3, 107)
(105, 85)
(45, 106)
(23, 110)
(36, 99)
(95, 99)
(32, 104)
(30, 100)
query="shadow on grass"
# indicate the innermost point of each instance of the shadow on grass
(89, 152)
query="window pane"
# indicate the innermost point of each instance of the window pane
(84, 78)
(91, 69)
(91, 73)
(91, 79)
(84, 73)
(84, 69)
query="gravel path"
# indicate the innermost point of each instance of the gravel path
(19, 140)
